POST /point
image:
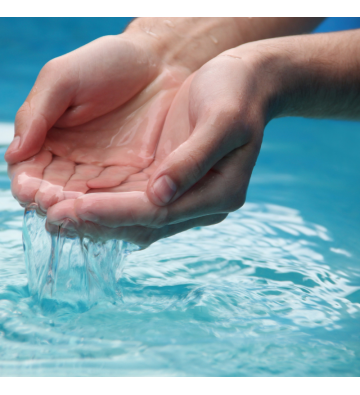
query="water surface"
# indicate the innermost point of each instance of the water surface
(272, 290)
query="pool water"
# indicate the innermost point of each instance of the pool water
(273, 290)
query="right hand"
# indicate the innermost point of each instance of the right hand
(208, 147)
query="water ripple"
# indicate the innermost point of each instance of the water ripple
(259, 294)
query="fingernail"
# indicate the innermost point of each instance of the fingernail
(164, 188)
(15, 144)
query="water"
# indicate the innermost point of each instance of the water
(273, 290)
(66, 271)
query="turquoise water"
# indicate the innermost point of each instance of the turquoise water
(273, 290)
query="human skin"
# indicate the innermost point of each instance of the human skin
(94, 118)
(223, 108)
(106, 74)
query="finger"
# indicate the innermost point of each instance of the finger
(133, 186)
(27, 176)
(112, 176)
(58, 213)
(110, 209)
(144, 236)
(50, 96)
(135, 182)
(77, 184)
(188, 164)
(55, 177)
(177, 128)
(137, 177)
(193, 159)
(222, 190)
(220, 121)
(139, 235)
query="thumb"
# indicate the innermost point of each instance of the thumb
(47, 101)
(189, 163)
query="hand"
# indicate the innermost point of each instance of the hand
(93, 117)
(63, 169)
(207, 150)
(103, 105)
(80, 102)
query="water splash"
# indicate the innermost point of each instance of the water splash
(65, 270)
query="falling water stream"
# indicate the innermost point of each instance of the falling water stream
(68, 271)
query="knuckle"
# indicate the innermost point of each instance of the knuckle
(25, 107)
(21, 117)
(160, 218)
(54, 72)
(52, 66)
(145, 237)
(218, 218)
(213, 219)
(21, 195)
(236, 202)
(195, 168)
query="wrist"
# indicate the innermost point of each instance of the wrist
(186, 42)
(259, 69)
(191, 42)
(282, 75)
(310, 76)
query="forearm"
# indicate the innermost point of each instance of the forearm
(321, 77)
(311, 76)
(194, 41)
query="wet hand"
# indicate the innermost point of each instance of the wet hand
(203, 163)
(92, 119)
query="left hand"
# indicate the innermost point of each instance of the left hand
(203, 163)
(93, 117)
